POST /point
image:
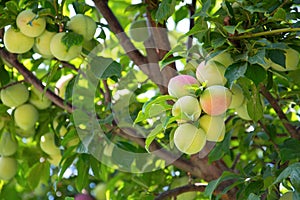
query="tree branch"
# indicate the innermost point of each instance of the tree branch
(289, 127)
(29, 77)
(180, 190)
(192, 9)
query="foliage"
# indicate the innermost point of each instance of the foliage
(112, 119)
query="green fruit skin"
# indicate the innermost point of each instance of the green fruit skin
(14, 95)
(138, 31)
(215, 100)
(214, 127)
(287, 196)
(38, 99)
(60, 51)
(17, 42)
(83, 25)
(211, 73)
(189, 139)
(8, 168)
(25, 133)
(8, 144)
(26, 116)
(99, 192)
(42, 43)
(179, 182)
(179, 85)
(47, 144)
(28, 26)
(237, 96)
(187, 108)
(223, 58)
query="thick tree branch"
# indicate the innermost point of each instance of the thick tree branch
(288, 126)
(180, 190)
(12, 60)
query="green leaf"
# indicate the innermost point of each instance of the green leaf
(12, 7)
(292, 169)
(152, 135)
(72, 39)
(253, 197)
(69, 198)
(181, 13)
(36, 172)
(290, 149)
(280, 15)
(4, 76)
(217, 40)
(204, 10)
(258, 57)
(165, 10)
(104, 68)
(254, 106)
(156, 100)
(168, 61)
(200, 27)
(277, 56)
(82, 179)
(256, 73)
(220, 149)
(235, 71)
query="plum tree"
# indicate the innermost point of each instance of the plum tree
(186, 108)
(189, 139)
(14, 95)
(182, 181)
(17, 42)
(42, 43)
(38, 99)
(182, 85)
(83, 25)
(61, 51)
(26, 116)
(99, 192)
(211, 73)
(47, 144)
(8, 144)
(215, 100)
(214, 127)
(138, 31)
(30, 24)
(237, 96)
(8, 167)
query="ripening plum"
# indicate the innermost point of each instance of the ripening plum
(215, 100)
(138, 31)
(186, 108)
(211, 73)
(8, 144)
(42, 43)
(55, 159)
(181, 85)
(26, 133)
(99, 192)
(61, 51)
(14, 95)
(29, 24)
(47, 144)
(189, 139)
(237, 96)
(17, 42)
(214, 127)
(26, 116)
(38, 99)
(8, 167)
(83, 25)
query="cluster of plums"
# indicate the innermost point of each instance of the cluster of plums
(31, 32)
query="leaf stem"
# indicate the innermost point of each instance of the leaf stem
(264, 33)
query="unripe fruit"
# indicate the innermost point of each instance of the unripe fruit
(26, 116)
(180, 85)
(237, 96)
(8, 144)
(214, 127)
(61, 51)
(83, 25)
(17, 42)
(38, 99)
(8, 168)
(138, 31)
(223, 58)
(187, 108)
(215, 100)
(29, 25)
(25, 133)
(291, 61)
(83, 197)
(55, 159)
(47, 144)
(99, 191)
(189, 139)
(287, 196)
(211, 73)
(14, 95)
(62, 129)
(242, 111)
(42, 43)
(179, 182)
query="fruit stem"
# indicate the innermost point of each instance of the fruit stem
(264, 33)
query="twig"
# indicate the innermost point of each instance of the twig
(107, 94)
(180, 190)
(30, 78)
(192, 9)
(268, 133)
(289, 127)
